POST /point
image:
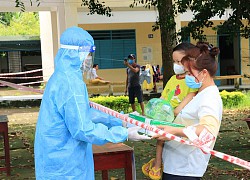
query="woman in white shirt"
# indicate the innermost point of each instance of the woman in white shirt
(201, 116)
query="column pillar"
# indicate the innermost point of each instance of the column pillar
(47, 47)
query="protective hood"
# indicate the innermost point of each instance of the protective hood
(68, 58)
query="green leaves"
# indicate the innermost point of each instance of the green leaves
(237, 22)
(232, 99)
(117, 103)
(20, 4)
(21, 24)
(95, 6)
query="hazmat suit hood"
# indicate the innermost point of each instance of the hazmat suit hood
(67, 58)
(67, 126)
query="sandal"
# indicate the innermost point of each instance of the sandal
(154, 173)
(147, 167)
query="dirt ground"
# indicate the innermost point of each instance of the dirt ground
(22, 123)
(234, 139)
(20, 115)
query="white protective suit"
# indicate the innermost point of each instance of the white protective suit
(67, 126)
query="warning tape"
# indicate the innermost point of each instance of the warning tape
(22, 88)
(24, 84)
(18, 73)
(226, 157)
(33, 77)
(29, 83)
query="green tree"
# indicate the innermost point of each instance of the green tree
(237, 23)
(21, 24)
(5, 17)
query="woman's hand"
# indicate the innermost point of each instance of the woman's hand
(160, 137)
(168, 129)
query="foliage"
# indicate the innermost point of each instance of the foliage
(120, 103)
(21, 24)
(20, 4)
(5, 17)
(43, 85)
(96, 7)
(117, 103)
(3, 54)
(205, 10)
(232, 99)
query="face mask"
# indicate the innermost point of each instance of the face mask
(178, 69)
(130, 61)
(190, 81)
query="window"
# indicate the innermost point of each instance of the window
(112, 46)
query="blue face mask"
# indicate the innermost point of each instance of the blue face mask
(131, 61)
(190, 81)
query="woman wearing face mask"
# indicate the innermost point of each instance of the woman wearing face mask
(201, 117)
(179, 94)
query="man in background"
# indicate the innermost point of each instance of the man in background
(133, 86)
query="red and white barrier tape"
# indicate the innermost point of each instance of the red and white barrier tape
(32, 77)
(226, 157)
(19, 87)
(29, 83)
(25, 72)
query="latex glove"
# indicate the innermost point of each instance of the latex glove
(133, 134)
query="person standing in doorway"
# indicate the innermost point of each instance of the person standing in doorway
(133, 86)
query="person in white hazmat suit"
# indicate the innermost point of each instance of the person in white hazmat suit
(67, 126)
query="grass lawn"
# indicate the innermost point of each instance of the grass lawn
(234, 139)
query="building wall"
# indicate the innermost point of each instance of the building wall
(142, 29)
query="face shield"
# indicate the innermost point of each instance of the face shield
(87, 61)
(86, 55)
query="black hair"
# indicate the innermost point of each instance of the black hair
(184, 46)
(131, 56)
(203, 56)
(94, 65)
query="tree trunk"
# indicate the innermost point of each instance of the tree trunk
(167, 28)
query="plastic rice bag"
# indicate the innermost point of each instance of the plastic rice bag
(159, 109)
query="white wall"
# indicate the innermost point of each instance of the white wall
(118, 17)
